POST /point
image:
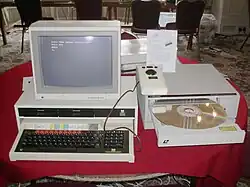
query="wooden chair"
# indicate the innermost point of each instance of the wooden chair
(89, 9)
(188, 17)
(30, 11)
(145, 15)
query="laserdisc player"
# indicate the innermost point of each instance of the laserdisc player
(199, 107)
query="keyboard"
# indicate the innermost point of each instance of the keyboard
(73, 141)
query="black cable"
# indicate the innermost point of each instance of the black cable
(105, 122)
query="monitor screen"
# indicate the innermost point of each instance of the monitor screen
(76, 61)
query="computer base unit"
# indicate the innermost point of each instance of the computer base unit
(55, 130)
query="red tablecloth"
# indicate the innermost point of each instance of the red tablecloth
(222, 162)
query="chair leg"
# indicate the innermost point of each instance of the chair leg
(115, 13)
(109, 12)
(241, 47)
(22, 44)
(198, 46)
(125, 15)
(190, 42)
(128, 16)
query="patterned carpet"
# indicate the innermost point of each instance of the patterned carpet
(222, 53)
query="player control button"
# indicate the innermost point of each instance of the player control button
(150, 72)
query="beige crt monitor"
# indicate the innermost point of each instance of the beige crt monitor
(76, 60)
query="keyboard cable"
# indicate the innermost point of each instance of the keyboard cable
(106, 120)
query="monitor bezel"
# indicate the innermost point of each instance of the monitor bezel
(70, 93)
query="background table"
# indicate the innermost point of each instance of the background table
(222, 162)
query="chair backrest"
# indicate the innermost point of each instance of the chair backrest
(30, 11)
(145, 14)
(189, 13)
(88, 9)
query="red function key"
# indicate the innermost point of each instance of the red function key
(64, 132)
(69, 132)
(60, 132)
(39, 132)
(51, 132)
